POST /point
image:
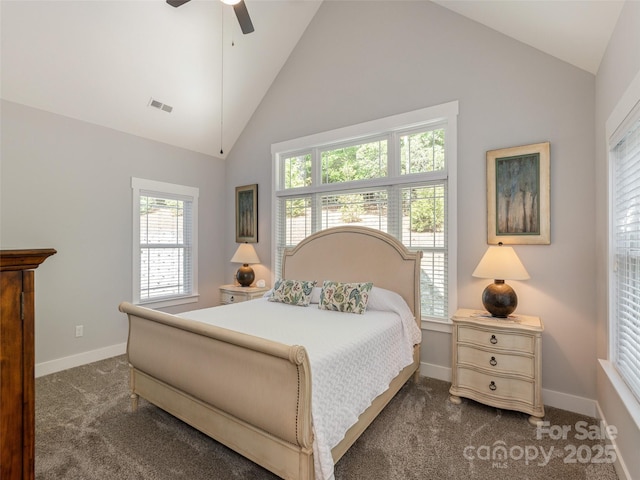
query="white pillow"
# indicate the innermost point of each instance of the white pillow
(388, 301)
(315, 295)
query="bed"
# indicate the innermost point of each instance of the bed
(254, 394)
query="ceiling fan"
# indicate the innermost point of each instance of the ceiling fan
(238, 6)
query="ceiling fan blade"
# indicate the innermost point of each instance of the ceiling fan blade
(177, 3)
(241, 12)
(243, 17)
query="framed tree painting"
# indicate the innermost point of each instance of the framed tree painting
(518, 210)
(247, 214)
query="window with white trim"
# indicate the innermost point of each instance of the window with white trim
(396, 174)
(624, 158)
(165, 232)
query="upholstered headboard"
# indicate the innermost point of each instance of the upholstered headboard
(357, 254)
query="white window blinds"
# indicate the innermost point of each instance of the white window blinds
(625, 321)
(392, 175)
(164, 242)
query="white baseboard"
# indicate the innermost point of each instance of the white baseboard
(53, 366)
(435, 371)
(573, 403)
(619, 465)
(565, 401)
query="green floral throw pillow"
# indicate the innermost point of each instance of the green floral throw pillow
(345, 297)
(292, 292)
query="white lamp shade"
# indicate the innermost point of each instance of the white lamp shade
(245, 254)
(501, 262)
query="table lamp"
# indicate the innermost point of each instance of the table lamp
(245, 254)
(500, 263)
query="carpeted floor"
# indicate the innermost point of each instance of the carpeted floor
(85, 430)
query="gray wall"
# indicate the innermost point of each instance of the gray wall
(66, 184)
(400, 56)
(619, 67)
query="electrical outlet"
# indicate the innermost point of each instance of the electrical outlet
(79, 331)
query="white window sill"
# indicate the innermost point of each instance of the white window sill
(171, 302)
(626, 396)
(433, 325)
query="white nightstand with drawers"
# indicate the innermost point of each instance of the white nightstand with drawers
(236, 293)
(498, 361)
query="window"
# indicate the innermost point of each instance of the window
(165, 219)
(395, 174)
(624, 154)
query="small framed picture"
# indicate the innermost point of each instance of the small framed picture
(518, 210)
(247, 214)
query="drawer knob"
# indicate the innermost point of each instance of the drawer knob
(231, 299)
(493, 339)
(493, 362)
(492, 386)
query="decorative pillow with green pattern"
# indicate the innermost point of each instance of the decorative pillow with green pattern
(345, 297)
(292, 292)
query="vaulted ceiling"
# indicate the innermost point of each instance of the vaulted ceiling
(576, 31)
(103, 61)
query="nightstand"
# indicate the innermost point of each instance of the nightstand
(498, 361)
(236, 293)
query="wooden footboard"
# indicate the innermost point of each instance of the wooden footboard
(249, 393)
(252, 394)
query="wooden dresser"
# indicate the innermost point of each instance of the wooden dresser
(17, 363)
(498, 361)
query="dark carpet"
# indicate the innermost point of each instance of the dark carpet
(85, 430)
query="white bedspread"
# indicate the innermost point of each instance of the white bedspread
(353, 357)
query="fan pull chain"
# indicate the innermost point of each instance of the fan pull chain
(233, 44)
(221, 78)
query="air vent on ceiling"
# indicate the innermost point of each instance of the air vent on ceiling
(161, 106)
